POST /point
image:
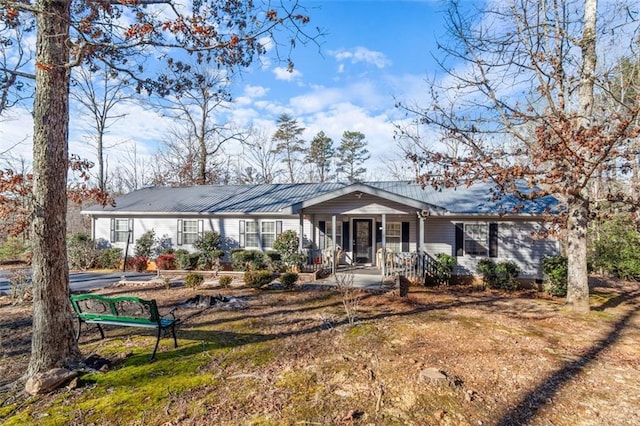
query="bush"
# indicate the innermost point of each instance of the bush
(186, 260)
(258, 279)
(138, 264)
(208, 246)
(166, 261)
(12, 249)
(503, 275)
(109, 258)
(555, 275)
(616, 253)
(289, 279)
(287, 244)
(144, 244)
(225, 281)
(444, 267)
(81, 251)
(248, 260)
(193, 280)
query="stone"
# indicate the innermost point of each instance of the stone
(432, 375)
(46, 382)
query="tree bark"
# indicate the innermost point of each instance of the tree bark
(577, 280)
(53, 343)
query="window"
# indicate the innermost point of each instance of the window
(252, 235)
(189, 230)
(120, 230)
(329, 233)
(475, 239)
(393, 236)
(259, 234)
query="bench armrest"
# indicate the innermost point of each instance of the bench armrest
(171, 312)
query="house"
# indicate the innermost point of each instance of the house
(357, 222)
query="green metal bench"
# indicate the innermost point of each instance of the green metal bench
(126, 311)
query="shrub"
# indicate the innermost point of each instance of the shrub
(444, 267)
(507, 275)
(109, 258)
(166, 261)
(287, 244)
(12, 249)
(555, 275)
(144, 244)
(21, 285)
(81, 251)
(289, 279)
(614, 251)
(186, 260)
(138, 263)
(248, 260)
(193, 280)
(257, 279)
(225, 281)
(503, 275)
(208, 246)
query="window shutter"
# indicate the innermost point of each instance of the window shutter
(322, 227)
(459, 248)
(180, 228)
(130, 230)
(113, 230)
(405, 236)
(278, 227)
(200, 228)
(345, 236)
(379, 233)
(493, 240)
(241, 239)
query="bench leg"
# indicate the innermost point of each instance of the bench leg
(79, 327)
(101, 331)
(155, 349)
(173, 331)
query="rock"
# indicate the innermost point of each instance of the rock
(73, 384)
(432, 375)
(439, 414)
(46, 382)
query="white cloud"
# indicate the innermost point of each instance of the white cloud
(282, 73)
(361, 54)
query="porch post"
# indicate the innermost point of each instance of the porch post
(421, 241)
(334, 245)
(383, 256)
(301, 233)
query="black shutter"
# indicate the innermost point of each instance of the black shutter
(113, 230)
(379, 233)
(278, 227)
(345, 237)
(322, 228)
(179, 232)
(459, 248)
(493, 240)
(241, 239)
(405, 236)
(200, 228)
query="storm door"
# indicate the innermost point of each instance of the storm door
(362, 240)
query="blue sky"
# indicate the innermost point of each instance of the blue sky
(373, 53)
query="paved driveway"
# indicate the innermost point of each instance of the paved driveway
(85, 281)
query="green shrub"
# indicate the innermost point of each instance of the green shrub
(208, 246)
(12, 249)
(109, 258)
(614, 249)
(257, 279)
(186, 260)
(144, 244)
(287, 244)
(503, 275)
(248, 260)
(81, 251)
(289, 279)
(225, 281)
(555, 275)
(193, 280)
(444, 267)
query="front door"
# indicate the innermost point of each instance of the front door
(362, 240)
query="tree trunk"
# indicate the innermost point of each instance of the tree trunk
(577, 284)
(53, 343)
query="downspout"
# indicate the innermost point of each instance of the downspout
(335, 245)
(383, 258)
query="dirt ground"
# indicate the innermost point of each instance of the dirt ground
(505, 358)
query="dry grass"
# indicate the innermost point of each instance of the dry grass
(293, 358)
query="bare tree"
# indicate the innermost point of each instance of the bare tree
(520, 98)
(132, 172)
(260, 163)
(15, 55)
(196, 114)
(99, 92)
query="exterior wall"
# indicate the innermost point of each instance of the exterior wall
(166, 229)
(516, 242)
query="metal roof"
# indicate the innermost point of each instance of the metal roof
(282, 198)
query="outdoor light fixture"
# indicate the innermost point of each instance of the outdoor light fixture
(359, 195)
